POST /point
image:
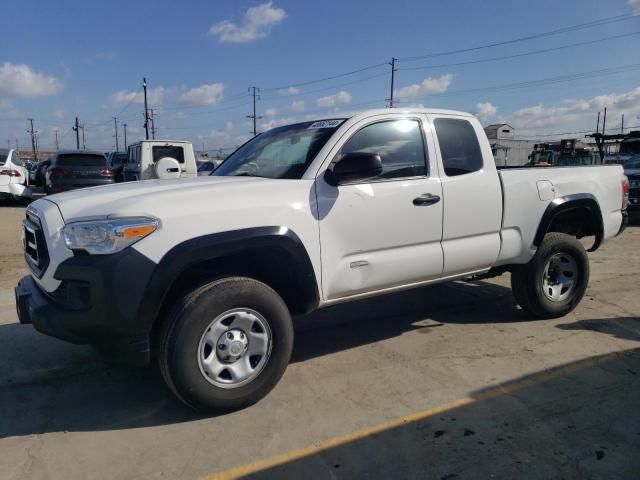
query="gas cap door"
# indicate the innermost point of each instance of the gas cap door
(546, 190)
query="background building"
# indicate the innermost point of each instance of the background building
(507, 149)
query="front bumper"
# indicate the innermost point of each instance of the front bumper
(97, 302)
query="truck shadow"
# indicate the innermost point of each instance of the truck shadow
(625, 328)
(578, 420)
(49, 386)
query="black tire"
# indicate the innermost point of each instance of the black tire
(179, 340)
(527, 280)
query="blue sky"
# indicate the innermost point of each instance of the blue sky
(59, 59)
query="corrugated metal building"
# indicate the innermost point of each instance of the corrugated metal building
(507, 149)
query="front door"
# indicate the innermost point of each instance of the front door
(379, 233)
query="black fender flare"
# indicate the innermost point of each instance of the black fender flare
(567, 203)
(218, 245)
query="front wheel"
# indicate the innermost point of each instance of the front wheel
(555, 280)
(225, 345)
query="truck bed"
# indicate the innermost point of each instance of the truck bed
(528, 191)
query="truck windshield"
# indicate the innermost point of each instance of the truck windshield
(283, 152)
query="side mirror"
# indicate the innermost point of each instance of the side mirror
(353, 167)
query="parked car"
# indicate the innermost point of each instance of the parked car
(41, 172)
(163, 159)
(117, 161)
(14, 177)
(206, 167)
(207, 273)
(632, 171)
(73, 169)
(33, 168)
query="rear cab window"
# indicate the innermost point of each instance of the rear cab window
(170, 151)
(459, 146)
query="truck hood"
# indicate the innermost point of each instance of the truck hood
(632, 172)
(151, 197)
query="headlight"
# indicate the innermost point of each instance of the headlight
(101, 237)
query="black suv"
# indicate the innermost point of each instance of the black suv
(77, 169)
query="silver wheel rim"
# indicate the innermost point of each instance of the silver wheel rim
(234, 348)
(559, 277)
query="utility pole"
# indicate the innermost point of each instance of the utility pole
(604, 121)
(124, 125)
(153, 124)
(393, 75)
(84, 147)
(76, 128)
(255, 93)
(57, 144)
(17, 146)
(622, 125)
(32, 132)
(115, 125)
(146, 111)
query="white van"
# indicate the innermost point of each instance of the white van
(164, 159)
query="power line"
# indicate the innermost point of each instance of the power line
(318, 80)
(571, 28)
(325, 89)
(535, 83)
(517, 55)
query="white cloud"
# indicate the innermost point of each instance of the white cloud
(270, 112)
(578, 115)
(297, 106)
(256, 23)
(290, 91)
(429, 86)
(21, 81)
(219, 135)
(485, 111)
(204, 95)
(276, 122)
(7, 110)
(155, 96)
(340, 98)
(635, 6)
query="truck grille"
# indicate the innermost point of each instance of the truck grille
(35, 246)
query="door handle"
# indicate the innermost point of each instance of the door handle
(426, 199)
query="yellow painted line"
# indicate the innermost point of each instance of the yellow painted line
(509, 387)
(239, 472)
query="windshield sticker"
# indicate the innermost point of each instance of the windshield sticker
(326, 124)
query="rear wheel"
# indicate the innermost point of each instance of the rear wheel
(555, 280)
(225, 345)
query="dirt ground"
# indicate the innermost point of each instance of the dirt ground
(446, 382)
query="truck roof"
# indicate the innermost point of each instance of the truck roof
(398, 110)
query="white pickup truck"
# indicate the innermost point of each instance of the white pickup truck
(206, 272)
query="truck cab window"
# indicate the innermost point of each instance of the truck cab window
(399, 144)
(459, 146)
